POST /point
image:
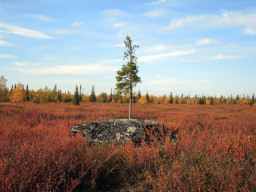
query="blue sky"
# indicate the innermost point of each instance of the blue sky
(186, 46)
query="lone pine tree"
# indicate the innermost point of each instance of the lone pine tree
(127, 77)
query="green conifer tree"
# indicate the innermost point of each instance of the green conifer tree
(211, 101)
(147, 97)
(252, 100)
(110, 97)
(76, 99)
(171, 98)
(103, 98)
(59, 96)
(115, 96)
(177, 100)
(80, 93)
(139, 94)
(92, 97)
(27, 93)
(11, 89)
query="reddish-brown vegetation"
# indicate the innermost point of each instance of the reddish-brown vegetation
(215, 150)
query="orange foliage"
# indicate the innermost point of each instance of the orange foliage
(142, 100)
(18, 94)
(167, 100)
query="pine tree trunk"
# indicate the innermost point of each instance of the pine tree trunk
(130, 108)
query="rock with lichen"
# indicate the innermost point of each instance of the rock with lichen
(123, 130)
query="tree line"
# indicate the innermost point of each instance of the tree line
(20, 93)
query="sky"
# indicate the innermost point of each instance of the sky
(186, 46)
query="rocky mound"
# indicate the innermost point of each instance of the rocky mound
(122, 130)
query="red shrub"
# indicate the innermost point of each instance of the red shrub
(215, 150)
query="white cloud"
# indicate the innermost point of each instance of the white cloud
(157, 48)
(77, 24)
(165, 3)
(206, 41)
(250, 31)
(6, 44)
(222, 57)
(169, 80)
(41, 17)
(166, 80)
(67, 69)
(64, 31)
(119, 45)
(157, 2)
(177, 23)
(121, 34)
(223, 20)
(155, 13)
(6, 28)
(20, 64)
(152, 58)
(3, 56)
(120, 25)
(112, 61)
(48, 58)
(63, 82)
(113, 12)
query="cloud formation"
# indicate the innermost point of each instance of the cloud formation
(155, 13)
(77, 24)
(224, 20)
(120, 25)
(41, 17)
(20, 64)
(112, 61)
(158, 48)
(222, 57)
(119, 45)
(66, 69)
(113, 12)
(64, 31)
(152, 58)
(4, 56)
(6, 28)
(206, 41)
(250, 31)
(6, 44)
(169, 80)
(157, 2)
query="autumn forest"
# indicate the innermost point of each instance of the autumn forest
(20, 93)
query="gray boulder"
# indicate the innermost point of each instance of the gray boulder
(122, 130)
